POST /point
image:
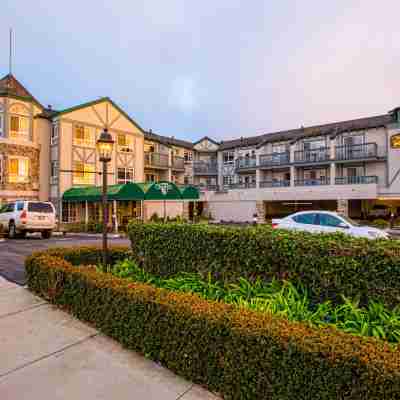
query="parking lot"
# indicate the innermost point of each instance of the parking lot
(13, 252)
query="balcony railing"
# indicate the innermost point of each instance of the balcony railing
(275, 183)
(156, 160)
(205, 168)
(355, 180)
(246, 163)
(274, 159)
(312, 182)
(206, 187)
(178, 163)
(356, 151)
(243, 185)
(312, 156)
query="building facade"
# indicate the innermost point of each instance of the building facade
(350, 166)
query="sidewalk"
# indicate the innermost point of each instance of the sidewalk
(47, 354)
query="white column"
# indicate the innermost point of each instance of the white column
(86, 214)
(219, 167)
(115, 215)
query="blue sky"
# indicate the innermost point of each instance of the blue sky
(219, 68)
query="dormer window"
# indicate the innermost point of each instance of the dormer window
(84, 136)
(20, 122)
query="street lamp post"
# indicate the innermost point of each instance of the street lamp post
(104, 147)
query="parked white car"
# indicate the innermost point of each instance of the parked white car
(327, 222)
(20, 217)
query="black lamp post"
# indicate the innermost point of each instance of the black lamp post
(104, 147)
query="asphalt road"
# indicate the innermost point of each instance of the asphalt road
(14, 251)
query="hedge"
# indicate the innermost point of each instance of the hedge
(236, 352)
(327, 265)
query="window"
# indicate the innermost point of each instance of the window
(188, 156)
(228, 180)
(308, 219)
(53, 171)
(20, 122)
(329, 220)
(18, 170)
(228, 157)
(186, 180)
(83, 173)
(151, 178)
(40, 207)
(125, 143)
(54, 134)
(125, 175)
(83, 136)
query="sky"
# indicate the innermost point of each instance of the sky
(225, 68)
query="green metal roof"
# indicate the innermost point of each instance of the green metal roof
(133, 191)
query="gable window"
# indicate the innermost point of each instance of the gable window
(19, 122)
(18, 169)
(83, 136)
(125, 175)
(54, 134)
(83, 173)
(228, 157)
(188, 156)
(125, 143)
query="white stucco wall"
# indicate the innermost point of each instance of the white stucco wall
(238, 211)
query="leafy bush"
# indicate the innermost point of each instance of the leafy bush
(380, 223)
(280, 298)
(236, 352)
(328, 266)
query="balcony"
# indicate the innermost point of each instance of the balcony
(156, 160)
(312, 182)
(243, 185)
(178, 163)
(246, 163)
(356, 151)
(312, 156)
(205, 168)
(207, 187)
(274, 159)
(355, 180)
(275, 183)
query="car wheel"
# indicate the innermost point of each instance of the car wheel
(12, 232)
(46, 234)
(22, 235)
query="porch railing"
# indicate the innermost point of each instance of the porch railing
(205, 168)
(246, 163)
(356, 151)
(243, 185)
(275, 183)
(312, 182)
(156, 160)
(178, 163)
(312, 156)
(273, 159)
(355, 180)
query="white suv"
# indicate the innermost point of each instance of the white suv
(20, 217)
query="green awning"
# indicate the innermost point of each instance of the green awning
(161, 191)
(133, 191)
(190, 193)
(127, 191)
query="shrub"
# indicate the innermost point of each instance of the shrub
(328, 266)
(237, 352)
(380, 223)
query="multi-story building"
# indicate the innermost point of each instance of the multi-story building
(351, 166)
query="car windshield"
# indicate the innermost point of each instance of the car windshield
(40, 207)
(349, 220)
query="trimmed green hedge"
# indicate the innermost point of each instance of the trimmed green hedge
(236, 352)
(327, 265)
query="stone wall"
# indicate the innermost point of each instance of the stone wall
(7, 188)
